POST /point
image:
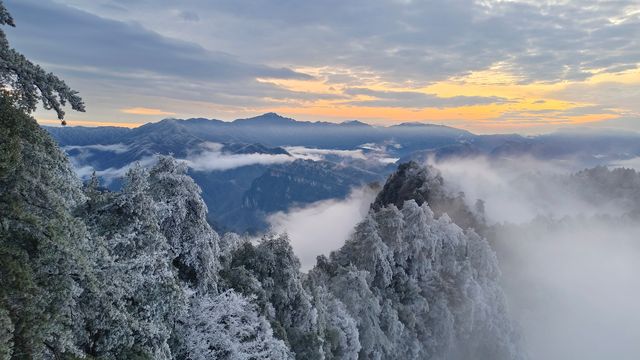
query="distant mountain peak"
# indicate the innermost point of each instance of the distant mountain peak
(416, 124)
(354, 123)
(269, 118)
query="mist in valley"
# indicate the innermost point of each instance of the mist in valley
(566, 241)
(568, 250)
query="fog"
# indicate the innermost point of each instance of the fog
(320, 154)
(365, 152)
(110, 174)
(633, 163)
(322, 226)
(520, 189)
(569, 264)
(573, 288)
(212, 157)
(114, 148)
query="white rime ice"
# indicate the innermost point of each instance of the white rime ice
(420, 287)
(228, 326)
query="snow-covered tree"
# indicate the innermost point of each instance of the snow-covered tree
(6, 335)
(337, 329)
(138, 298)
(417, 285)
(27, 84)
(271, 272)
(43, 245)
(183, 221)
(228, 326)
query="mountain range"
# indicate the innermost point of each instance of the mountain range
(250, 168)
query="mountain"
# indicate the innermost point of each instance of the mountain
(417, 285)
(81, 135)
(425, 185)
(268, 119)
(354, 123)
(303, 182)
(248, 167)
(269, 129)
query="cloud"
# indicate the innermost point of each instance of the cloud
(114, 48)
(372, 45)
(417, 40)
(114, 148)
(80, 155)
(112, 173)
(377, 153)
(520, 189)
(633, 163)
(307, 226)
(190, 16)
(212, 158)
(320, 154)
(116, 64)
(568, 263)
(413, 99)
(145, 111)
(572, 287)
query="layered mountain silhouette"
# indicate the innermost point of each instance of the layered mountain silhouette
(247, 171)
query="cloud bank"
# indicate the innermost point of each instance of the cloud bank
(110, 174)
(114, 148)
(213, 158)
(323, 226)
(569, 263)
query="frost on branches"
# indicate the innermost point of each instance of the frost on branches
(228, 327)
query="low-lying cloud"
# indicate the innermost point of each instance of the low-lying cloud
(323, 226)
(573, 288)
(569, 264)
(633, 163)
(213, 158)
(114, 148)
(521, 189)
(320, 154)
(110, 174)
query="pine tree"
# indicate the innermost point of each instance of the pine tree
(26, 84)
(42, 243)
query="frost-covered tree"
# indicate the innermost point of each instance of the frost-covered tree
(271, 272)
(6, 335)
(337, 328)
(138, 297)
(417, 285)
(43, 245)
(27, 84)
(183, 221)
(228, 327)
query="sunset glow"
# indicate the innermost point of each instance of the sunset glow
(500, 66)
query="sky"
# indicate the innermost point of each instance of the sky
(488, 66)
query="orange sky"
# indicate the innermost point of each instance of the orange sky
(531, 108)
